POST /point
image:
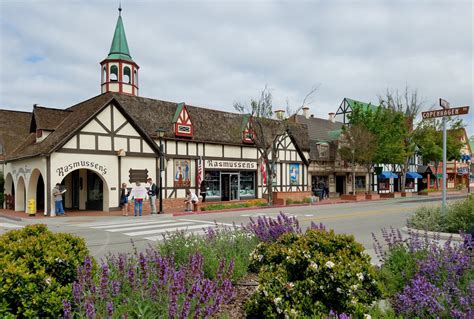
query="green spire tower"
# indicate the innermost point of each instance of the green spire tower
(119, 71)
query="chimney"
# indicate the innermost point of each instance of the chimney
(280, 114)
(306, 111)
(331, 117)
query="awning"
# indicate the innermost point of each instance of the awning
(386, 175)
(413, 175)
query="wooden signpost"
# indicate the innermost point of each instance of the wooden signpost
(446, 111)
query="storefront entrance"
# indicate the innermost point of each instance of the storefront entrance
(340, 181)
(230, 186)
(85, 191)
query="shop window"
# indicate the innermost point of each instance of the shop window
(114, 73)
(360, 182)
(384, 184)
(410, 183)
(247, 184)
(213, 183)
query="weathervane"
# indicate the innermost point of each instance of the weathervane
(120, 8)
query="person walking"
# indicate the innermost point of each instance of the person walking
(124, 199)
(58, 200)
(139, 194)
(190, 201)
(152, 191)
(203, 190)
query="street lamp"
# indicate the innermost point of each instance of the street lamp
(161, 132)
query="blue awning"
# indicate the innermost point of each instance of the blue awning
(385, 175)
(413, 175)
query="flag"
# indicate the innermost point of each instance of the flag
(200, 173)
(263, 171)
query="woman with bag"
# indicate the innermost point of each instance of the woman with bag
(124, 199)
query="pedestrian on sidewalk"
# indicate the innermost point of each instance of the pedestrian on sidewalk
(152, 191)
(58, 200)
(190, 201)
(124, 193)
(139, 194)
(203, 190)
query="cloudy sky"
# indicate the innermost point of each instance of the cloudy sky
(214, 53)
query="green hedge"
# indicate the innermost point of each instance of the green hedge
(37, 268)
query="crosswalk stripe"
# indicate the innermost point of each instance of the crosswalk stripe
(9, 225)
(160, 231)
(159, 238)
(132, 224)
(150, 226)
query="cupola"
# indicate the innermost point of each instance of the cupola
(119, 73)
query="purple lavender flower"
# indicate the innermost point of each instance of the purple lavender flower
(66, 309)
(77, 292)
(110, 308)
(115, 287)
(90, 308)
(104, 281)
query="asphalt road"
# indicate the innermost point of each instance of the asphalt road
(114, 233)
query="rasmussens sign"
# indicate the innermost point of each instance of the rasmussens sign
(81, 164)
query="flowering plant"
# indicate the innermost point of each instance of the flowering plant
(148, 285)
(308, 275)
(425, 278)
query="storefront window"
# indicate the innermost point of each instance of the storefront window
(384, 184)
(410, 183)
(213, 182)
(247, 184)
(360, 182)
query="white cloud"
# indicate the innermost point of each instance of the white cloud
(214, 53)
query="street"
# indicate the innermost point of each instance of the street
(113, 234)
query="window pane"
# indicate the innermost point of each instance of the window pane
(247, 184)
(213, 180)
(360, 182)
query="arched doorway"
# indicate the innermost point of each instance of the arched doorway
(9, 189)
(20, 195)
(85, 190)
(36, 189)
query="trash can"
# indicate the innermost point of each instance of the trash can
(32, 207)
(318, 192)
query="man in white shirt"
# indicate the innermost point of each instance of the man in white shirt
(191, 200)
(139, 194)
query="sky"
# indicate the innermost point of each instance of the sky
(216, 53)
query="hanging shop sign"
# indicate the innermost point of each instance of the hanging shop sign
(231, 165)
(81, 164)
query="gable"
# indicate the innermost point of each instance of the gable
(183, 125)
(109, 131)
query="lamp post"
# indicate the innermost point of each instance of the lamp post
(161, 133)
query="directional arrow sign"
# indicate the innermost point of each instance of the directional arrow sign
(445, 112)
(444, 104)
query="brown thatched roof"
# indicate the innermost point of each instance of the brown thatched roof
(210, 126)
(14, 128)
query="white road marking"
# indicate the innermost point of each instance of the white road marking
(132, 224)
(160, 231)
(148, 227)
(9, 225)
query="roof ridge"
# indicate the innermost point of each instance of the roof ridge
(5, 110)
(51, 108)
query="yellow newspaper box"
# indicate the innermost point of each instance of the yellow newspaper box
(32, 207)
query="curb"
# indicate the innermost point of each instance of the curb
(17, 219)
(432, 235)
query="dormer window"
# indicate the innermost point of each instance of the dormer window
(39, 133)
(248, 134)
(182, 121)
(323, 150)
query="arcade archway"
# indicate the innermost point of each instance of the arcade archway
(9, 190)
(36, 189)
(85, 190)
(20, 195)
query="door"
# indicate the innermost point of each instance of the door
(340, 185)
(94, 191)
(76, 186)
(225, 187)
(234, 186)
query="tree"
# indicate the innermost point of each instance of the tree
(428, 136)
(267, 132)
(409, 105)
(357, 147)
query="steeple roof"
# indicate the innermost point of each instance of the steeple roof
(119, 48)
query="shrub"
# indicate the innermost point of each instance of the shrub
(219, 243)
(148, 285)
(250, 203)
(459, 217)
(436, 281)
(311, 275)
(37, 268)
